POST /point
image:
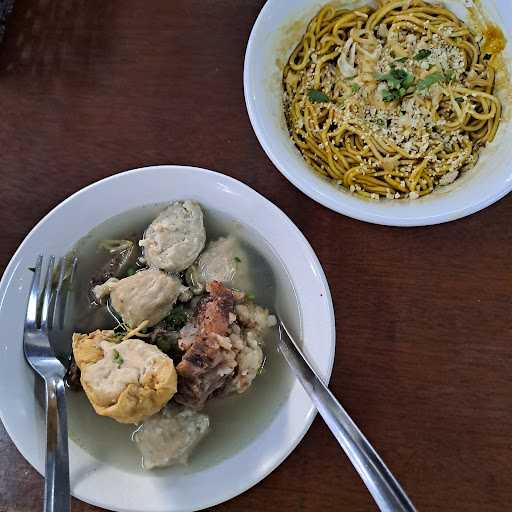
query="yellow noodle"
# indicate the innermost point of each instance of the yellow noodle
(356, 128)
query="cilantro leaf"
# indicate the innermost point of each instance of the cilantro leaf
(117, 358)
(317, 96)
(394, 78)
(430, 80)
(407, 82)
(449, 75)
(177, 318)
(392, 82)
(422, 54)
(355, 88)
(389, 96)
(398, 81)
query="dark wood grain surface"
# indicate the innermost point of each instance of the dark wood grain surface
(89, 88)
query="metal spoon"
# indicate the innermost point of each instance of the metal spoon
(383, 486)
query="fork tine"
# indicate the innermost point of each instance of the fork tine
(64, 296)
(33, 300)
(58, 318)
(45, 313)
(74, 264)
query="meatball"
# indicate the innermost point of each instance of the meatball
(146, 295)
(102, 291)
(225, 261)
(174, 240)
(170, 436)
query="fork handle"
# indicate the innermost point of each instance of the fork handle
(56, 491)
(384, 488)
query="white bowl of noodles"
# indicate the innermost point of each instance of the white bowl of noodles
(277, 32)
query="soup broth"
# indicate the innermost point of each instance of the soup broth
(236, 420)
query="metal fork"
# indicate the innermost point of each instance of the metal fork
(383, 486)
(45, 311)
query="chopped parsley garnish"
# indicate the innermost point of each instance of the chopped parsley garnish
(430, 80)
(381, 122)
(117, 358)
(459, 99)
(402, 60)
(177, 318)
(390, 95)
(487, 56)
(398, 81)
(317, 96)
(237, 259)
(394, 77)
(355, 88)
(422, 54)
(449, 75)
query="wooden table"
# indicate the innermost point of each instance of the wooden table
(89, 88)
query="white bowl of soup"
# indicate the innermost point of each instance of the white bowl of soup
(395, 113)
(250, 433)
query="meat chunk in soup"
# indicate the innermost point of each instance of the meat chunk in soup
(209, 358)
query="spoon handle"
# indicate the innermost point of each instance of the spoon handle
(383, 486)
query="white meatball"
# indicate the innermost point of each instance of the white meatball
(170, 436)
(225, 261)
(102, 291)
(175, 238)
(147, 295)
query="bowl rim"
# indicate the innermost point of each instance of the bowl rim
(309, 184)
(9, 273)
